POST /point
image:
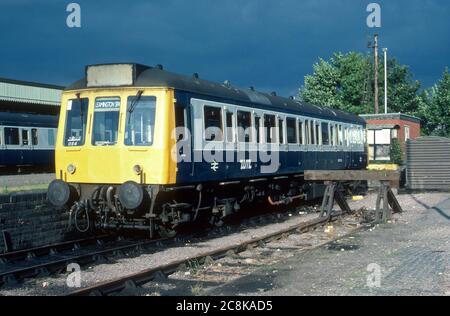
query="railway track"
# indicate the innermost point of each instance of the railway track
(20, 255)
(17, 266)
(47, 260)
(162, 271)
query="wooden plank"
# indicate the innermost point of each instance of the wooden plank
(351, 175)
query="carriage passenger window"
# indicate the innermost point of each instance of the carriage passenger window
(230, 127)
(317, 133)
(12, 136)
(281, 131)
(291, 129)
(258, 129)
(300, 133)
(325, 134)
(76, 118)
(307, 133)
(270, 128)
(244, 122)
(333, 135)
(340, 136)
(140, 121)
(25, 141)
(346, 137)
(51, 137)
(34, 136)
(213, 124)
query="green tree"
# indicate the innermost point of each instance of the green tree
(435, 107)
(402, 89)
(346, 82)
(321, 88)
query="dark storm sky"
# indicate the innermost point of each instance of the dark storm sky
(268, 44)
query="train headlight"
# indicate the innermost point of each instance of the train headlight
(71, 169)
(137, 169)
(131, 195)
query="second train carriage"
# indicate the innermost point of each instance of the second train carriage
(27, 139)
(140, 147)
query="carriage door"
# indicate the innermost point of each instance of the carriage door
(208, 140)
(26, 151)
(184, 142)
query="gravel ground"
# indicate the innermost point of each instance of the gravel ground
(26, 180)
(258, 271)
(412, 253)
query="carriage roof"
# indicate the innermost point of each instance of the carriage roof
(145, 76)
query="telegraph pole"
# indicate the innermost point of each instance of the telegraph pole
(375, 55)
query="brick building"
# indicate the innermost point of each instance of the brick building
(382, 128)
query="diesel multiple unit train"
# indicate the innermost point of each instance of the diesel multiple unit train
(27, 140)
(142, 148)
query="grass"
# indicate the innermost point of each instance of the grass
(28, 187)
(197, 290)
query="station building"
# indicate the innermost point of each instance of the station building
(29, 97)
(383, 128)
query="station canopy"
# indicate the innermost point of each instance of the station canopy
(23, 96)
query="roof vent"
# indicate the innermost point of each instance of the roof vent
(227, 83)
(195, 75)
(292, 97)
(273, 93)
(159, 66)
(252, 88)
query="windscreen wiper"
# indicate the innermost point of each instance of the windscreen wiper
(81, 105)
(80, 102)
(135, 101)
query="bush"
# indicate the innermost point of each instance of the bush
(396, 152)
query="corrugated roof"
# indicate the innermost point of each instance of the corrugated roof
(29, 92)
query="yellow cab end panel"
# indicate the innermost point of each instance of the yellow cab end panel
(115, 164)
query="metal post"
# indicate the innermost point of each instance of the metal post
(375, 55)
(385, 81)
